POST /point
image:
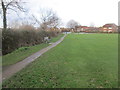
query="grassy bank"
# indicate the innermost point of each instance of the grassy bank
(24, 52)
(80, 61)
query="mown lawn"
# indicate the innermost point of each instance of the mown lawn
(24, 52)
(80, 61)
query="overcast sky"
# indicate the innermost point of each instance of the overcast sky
(85, 12)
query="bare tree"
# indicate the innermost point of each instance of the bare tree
(72, 24)
(48, 19)
(13, 5)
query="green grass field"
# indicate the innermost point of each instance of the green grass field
(80, 61)
(24, 52)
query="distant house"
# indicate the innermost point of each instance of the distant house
(92, 30)
(82, 28)
(87, 29)
(109, 28)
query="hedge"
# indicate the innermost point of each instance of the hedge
(14, 39)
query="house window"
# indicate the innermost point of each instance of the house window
(110, 28)
(104, 28)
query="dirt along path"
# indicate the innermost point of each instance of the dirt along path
(11, 70)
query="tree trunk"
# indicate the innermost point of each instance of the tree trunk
(4, 16)
(4, 20)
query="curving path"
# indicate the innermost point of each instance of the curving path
(8, 72)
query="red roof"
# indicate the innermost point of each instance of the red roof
(85, 27)
(109, 25)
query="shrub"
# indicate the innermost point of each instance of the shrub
(13, 39)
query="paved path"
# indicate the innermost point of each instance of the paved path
(8, 72)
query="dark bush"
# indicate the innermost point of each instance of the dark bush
(13, 39)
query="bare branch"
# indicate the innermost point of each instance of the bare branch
(11, 5)
(72, 24)
(49, 19)
(12, 9)
(36, 20)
